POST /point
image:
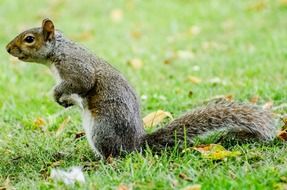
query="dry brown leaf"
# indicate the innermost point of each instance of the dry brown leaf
(254, 99)
(135, 63)
(155, 118)
(62, 126)
(282, 135)
(116, 15)
(185, 177)
(39, 122)
(110, 159)
(123, 187)
(194, 79)
(193, 187)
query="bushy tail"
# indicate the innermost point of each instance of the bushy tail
(243, 121)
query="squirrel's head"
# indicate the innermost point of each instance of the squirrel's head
(34, 45)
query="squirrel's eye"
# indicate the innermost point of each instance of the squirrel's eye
(29, 39)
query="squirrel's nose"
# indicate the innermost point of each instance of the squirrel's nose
(8, 48)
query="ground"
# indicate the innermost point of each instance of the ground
(176, 54)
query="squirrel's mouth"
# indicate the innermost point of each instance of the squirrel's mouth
(22, 57)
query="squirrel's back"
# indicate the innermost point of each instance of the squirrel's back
(241, 121)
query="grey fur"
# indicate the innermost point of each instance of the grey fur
(118, 127)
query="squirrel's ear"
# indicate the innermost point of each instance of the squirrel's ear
(48, 29)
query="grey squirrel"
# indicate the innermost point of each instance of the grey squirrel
(111, 112)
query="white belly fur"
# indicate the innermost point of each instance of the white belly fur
(87, 118)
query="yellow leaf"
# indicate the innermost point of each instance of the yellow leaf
(193, 187)
(39, 122)
(258, 6)
(283, 3)
(116, 15)
(215, 152)
(155, 118)
(194, 79)
(135, 63)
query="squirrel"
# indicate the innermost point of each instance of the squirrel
(111, 111)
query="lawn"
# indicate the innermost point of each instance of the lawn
(176, 54)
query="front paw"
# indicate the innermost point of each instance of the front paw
(62, 99)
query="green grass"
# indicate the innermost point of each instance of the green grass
(243, 43)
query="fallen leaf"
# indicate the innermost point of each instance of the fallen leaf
(155, 118)
(193, 187)
(110, 159)
(254, 99)
(39, 122)
(185, 177)
(215, 152)
(136, 34)
(257, 6)
(194, 79)
(116, 15)
(62, 126)
(282, 135)
(283, 3)
(135, 63)
(123, 187)
(229, 97)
